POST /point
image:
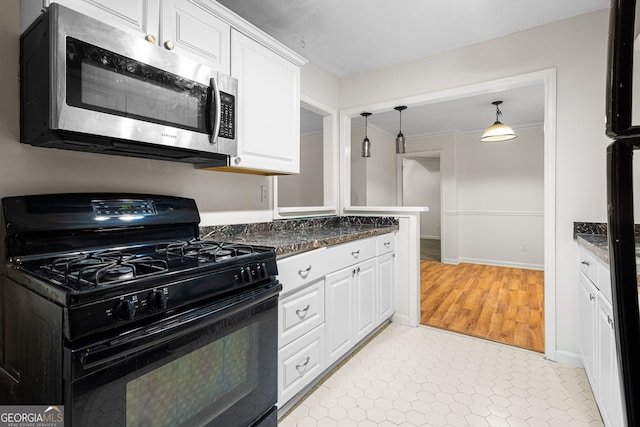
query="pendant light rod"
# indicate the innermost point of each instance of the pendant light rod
(498, 112)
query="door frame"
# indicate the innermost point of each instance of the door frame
(548, 78)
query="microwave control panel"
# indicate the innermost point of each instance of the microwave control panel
(227, 116)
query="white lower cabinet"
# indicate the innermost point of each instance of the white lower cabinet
(597, 338)
(608, 380)
(351, 307)
(331, 300)
(587, 304)
(340, 297)
(365, 281)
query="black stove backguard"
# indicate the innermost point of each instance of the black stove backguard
(52, 223)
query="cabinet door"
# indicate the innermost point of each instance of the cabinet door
(365, 298)
(269, 108)
(193, 31)
(339, 312)
(142, 16)
(607, 365)
(386, 276)
(587, 304)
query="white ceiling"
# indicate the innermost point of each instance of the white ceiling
(350, 36)
(345, 37)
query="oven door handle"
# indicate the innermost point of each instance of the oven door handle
(98, 355)
(215, 110)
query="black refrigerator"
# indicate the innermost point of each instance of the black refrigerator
(623, 127)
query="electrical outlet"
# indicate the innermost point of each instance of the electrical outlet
(523, 247)
(264, 193)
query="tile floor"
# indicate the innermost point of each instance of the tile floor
(428, 377)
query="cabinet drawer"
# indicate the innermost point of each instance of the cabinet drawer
(300, 363)
(296, 271)
(346, 254)
(386, 243)
(589, 265)
(301, 312)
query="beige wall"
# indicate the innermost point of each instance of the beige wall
(306, 188)
(373, 179)
(577, 48)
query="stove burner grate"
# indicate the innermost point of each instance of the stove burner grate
(103, 268)
(203, 251)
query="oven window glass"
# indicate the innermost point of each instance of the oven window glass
(103, 81)
(173, 393)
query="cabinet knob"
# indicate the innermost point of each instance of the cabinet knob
(304, 273)
(151, 38)
(356, 253)
(168, 45)
(237, 160)
(587, 263)
(302, 312)
(387, 244)
(610, 321)
(353, 272)
(591, 297)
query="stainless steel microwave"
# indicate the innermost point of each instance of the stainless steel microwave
(87, 86)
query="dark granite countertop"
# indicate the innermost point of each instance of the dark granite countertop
(293, 236)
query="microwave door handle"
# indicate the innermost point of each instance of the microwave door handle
(215, 112)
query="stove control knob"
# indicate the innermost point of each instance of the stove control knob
(125, 310)
(261, 270)
(157, 300)
(245, 274)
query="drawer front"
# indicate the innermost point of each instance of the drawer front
(301, 312)
(346, 254)
(386, 243)
(589, 266)
(300, 363)
(296, 271)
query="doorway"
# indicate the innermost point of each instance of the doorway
(421, 186)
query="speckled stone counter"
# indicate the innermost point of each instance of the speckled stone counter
(292, 236)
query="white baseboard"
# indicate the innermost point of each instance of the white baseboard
(401, 320)
(454, 261)
(569, 358)
(498, 263)
(428, 237)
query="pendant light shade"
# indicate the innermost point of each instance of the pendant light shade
(401, 143)
(366, 144)
(498, 131)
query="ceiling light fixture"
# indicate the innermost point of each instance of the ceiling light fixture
(401, 143)
(497, 131)
(366, 144)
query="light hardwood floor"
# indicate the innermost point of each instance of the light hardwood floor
(497, 303)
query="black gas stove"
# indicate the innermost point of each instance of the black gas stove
(127, 276)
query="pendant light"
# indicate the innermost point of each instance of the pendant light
(401, 143)
(497, 131)
(366, 144)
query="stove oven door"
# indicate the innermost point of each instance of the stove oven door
(214, 365)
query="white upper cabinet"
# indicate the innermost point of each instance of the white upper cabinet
(186, 27)
(192, 31)
(142, 16)
(269, 108)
